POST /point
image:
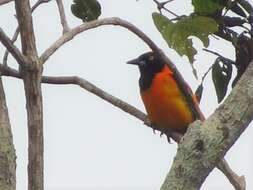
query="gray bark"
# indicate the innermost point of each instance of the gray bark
(206, 143)
(7, 151)
(31, 73)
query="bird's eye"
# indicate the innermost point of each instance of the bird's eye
(142, 63)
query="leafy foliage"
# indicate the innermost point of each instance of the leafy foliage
(87, 10)
(207, 7)
(221, 75)
(177, 34)
(212, 7)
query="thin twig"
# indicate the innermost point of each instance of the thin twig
(161, 5)
(6, 53)
(204, 76)
(213, 52)
(219, 55)
(174, 14)
(62, 16)
(209, 69)
(38, 3)
(6, 41)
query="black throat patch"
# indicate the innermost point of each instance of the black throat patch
(148, 70)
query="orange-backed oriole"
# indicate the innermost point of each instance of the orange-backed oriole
(165, 103)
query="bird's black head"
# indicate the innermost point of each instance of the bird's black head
(149, 64)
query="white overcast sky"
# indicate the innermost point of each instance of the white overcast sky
(89, 144)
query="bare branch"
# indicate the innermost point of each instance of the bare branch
(97, 91)
(24, 17)
(5, 70)
(6, 53)
(218, 55)
(94, 24)
(38, 3)
(62, 16)
(15, 36)
(161, 5)
(237, 181)
(6, 41)
(2, 2)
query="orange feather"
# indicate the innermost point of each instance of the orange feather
(165, 104)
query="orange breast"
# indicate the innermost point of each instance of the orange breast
(164, 103)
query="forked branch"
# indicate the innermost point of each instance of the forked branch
(6, 41)
(16, 33)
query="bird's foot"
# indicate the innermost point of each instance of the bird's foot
(166, 132)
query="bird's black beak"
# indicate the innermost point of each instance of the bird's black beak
(133, 62)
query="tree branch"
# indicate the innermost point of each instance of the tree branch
(24, 17)
(237, 181)
(62, 16)
(6, 41)
(161, 5)
(2, 2)
(205, 143)
(38, 3)
(6, 53)
(223, 166)
(94, 24)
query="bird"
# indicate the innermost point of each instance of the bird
(164, 101)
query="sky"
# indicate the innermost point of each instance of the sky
(90, 144)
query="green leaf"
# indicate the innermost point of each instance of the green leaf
(177, 34)
(221, 75)
(87, 10)
(208, 7)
